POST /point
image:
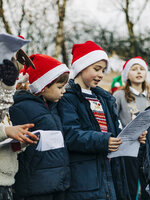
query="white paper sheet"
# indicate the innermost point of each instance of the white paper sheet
(47, 140)
(129, 135)
(50, 140)
(147, 189)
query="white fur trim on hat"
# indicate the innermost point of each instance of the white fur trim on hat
(88, 60)
(130, 63)
(47, 78)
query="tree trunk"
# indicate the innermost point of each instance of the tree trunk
(130, 26)
(22, 18)
(60, 39)
(64, 54)
(6, 25)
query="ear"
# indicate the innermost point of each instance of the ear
(43, 90)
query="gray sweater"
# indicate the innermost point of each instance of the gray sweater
(126, 110)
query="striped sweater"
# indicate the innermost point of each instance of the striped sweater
(97, 109)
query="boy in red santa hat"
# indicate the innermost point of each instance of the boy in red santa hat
(43, 171)
(90, 123)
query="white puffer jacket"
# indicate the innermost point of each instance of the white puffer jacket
(8, 161)
(8, 158)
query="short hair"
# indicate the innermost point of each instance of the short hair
(63, 78)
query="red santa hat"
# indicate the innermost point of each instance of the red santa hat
(47, 69)
(129, 63)
(86, 54)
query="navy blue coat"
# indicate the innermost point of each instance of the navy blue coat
(91, 176)
(39, 172)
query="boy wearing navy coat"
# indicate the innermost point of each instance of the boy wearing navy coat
(43, 174)
(90, 124)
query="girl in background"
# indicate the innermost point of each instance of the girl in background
(132, 99)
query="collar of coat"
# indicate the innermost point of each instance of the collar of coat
(75, 88)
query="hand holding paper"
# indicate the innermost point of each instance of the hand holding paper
(142, 138)
(130, 134)
(21, 133)
(114, 143)
(47, 140)
(50, 140)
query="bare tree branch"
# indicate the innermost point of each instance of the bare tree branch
(117, 4)
(141, 11)
(60, 39)
(2, 15)
(22, 18)
(130, 25)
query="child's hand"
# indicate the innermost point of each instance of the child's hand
(142, 138)
(114, 143)
(19, 132)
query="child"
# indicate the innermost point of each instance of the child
(8, 74)
(90, 125)
(42, 175)
(133, 98)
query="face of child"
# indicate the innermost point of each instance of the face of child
(92, 75)
(54, 92)
(137, 74)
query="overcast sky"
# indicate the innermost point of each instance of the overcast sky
(108, 15)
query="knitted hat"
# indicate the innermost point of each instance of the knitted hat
(86, 54)
(9, 45)
(128, 64)
(47, 69)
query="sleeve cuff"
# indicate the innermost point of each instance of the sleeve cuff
(3, 135)
(6, 87)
